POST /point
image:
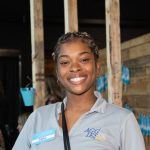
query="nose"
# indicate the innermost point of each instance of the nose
(75, 67)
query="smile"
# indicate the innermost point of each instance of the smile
(77, 80)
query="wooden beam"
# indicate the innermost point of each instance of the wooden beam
(132, 49)
(112, 11)
(139, 101)
(9, 52)
(136, 41)
(71, 15)
(38, 74)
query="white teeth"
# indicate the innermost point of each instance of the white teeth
(77, 79)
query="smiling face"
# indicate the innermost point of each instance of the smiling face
(76, 67)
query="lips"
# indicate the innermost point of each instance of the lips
(77, 80)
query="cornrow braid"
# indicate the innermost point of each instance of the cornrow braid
(72, 36)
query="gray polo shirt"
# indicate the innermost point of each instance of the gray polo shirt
(104, 127)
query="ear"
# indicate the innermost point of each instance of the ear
(98, 69)
(57, 74)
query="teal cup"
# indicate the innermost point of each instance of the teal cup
(28, 95)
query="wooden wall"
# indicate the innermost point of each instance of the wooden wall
(136, 56)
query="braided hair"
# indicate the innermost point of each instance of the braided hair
(84, 37)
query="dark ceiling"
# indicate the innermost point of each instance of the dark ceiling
(17, 11)
(15, 19)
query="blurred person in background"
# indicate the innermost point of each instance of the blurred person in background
(54, 91)
(21, 120)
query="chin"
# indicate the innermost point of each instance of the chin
(78, 92)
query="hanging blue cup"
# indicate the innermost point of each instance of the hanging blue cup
(28, 95)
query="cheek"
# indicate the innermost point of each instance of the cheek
(60, 73)
(92, 69)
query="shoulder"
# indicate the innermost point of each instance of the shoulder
(51, 108)
(43, 113)
(118, 112)
(42, 118)
(109, 108)
(46, 108)
(117, 109)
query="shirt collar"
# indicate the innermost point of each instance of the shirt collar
(99, 106)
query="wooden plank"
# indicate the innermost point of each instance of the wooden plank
(138, 89)
(136, 41)
(137, 67)
(9, 52)
(71, 15)
(142, 110)
(131, 54)
(148, 68)
(38, 73)
(138, 101)
(132, 49)
(139, 85)
(138, 61)
(139, 71)
(113, 51)
(136, 52)
(144, 78)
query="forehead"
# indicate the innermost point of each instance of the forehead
(74, 47)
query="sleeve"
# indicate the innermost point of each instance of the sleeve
(131, 136)
(23, 140)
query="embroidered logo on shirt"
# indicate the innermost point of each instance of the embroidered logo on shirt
(95, 134)
(100, 137)
(44, 136)
(92, 133)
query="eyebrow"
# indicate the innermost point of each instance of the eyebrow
(85, 53)
(82, 53)
(61, 56)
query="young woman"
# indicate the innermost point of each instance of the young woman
(84, 120)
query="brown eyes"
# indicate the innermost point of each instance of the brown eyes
(64, 62)
(67, 62)
(85, 60)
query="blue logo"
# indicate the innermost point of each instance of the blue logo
(92, 133)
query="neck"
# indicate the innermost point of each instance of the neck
(82, 102)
